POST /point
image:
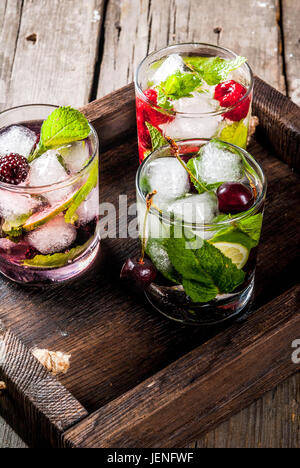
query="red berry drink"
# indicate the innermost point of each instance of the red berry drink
(49, 194)
(192, 90)
(201, 231)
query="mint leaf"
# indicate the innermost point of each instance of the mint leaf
(157, 138)
(236, 134)
(199, 292)
(81, 195)
(245, 231)
(63, 126)
(252, 226)
(224, 273)
(55, 260)
(204, 270)
(175, 87)
(213, 70)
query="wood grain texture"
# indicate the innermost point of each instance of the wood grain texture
(8, 437)
(291, 34)
(133, 28)
(203, 387)
(279, 121)
(49, 58)
(270, 422)
(10, 17)
(40, 402)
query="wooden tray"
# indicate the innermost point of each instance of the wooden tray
(137, 379)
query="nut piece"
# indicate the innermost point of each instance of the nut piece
(55, 362)
(2, 385)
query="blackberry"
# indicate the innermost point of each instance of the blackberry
(13, 169)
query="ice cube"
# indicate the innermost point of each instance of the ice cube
(168, 178)
(183, 126)
(13, 205)
(17, 139)
(6, 244)
(47, 170)
(198, 208)
(75, 155)
(159, 256)
(54, 236)
(89, 209)
(219, 165)
(171, 65)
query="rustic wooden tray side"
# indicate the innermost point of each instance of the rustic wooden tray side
(184, 400)
(131, 369)
(38, 400)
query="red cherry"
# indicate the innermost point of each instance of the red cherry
(142, 273)
(234, 197)
(228, 94)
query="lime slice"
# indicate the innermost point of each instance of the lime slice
(237, 253)
(40, 218)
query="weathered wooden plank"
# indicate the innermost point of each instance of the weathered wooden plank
(291, 34)
(271, 422)
(34, 401)
(202, 388)
(10, 18)
(133, 28)
(279, 121)
(50, 52)
(8, 437)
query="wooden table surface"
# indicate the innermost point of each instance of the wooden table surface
(72, 52)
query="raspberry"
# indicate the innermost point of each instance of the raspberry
(30, 253)
(228, 94)
(13, 169)
(145, 113)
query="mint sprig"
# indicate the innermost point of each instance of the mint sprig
(213, 70)
(177, 86)
(63, 126)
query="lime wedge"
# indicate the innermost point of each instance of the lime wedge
(237, 253)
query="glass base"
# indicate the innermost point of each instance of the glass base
(173, 303)
(37, 276)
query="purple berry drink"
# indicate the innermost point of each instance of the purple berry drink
(201, 230)
(49, 194)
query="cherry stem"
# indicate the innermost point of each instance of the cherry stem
(175, 151)
(252, 185)
(149, 201)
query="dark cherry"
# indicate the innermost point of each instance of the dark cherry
(142, 273)
(234, 197)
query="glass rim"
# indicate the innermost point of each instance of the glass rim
(70, 179)
(221, 111)
(207, 226)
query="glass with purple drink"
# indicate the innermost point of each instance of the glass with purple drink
(49, 194)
